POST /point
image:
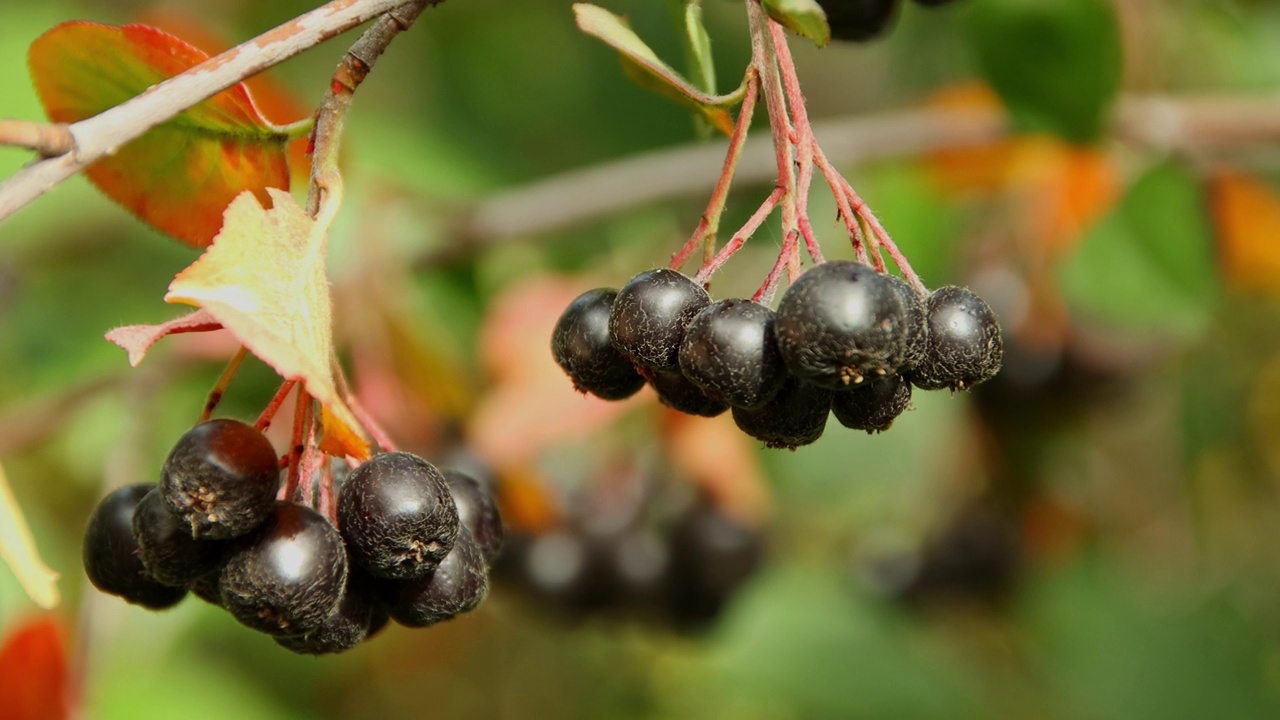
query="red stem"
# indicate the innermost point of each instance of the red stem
(740, 238)
(269, 412)
(297, 441)
(223, 382)
(802, 137)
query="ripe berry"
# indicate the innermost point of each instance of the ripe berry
(568, 570)
(287, 577)
(712, 555)
(477, 512)
(582, 348)
(731, 353)
(840, 324)
(796, 416)
(649, 316)
(678, 393)
(221, 478)
(397, 516)
(347, 626)
(858, 20)
(457, 585)
(872, 407)
(110, 552)
(915, 329)
(166, 547)
(965, 346)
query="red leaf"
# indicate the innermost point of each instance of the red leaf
(138, 339)
(34, 677)
(181, 175)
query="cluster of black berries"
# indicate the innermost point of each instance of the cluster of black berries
(861, 20)
(845, 340)
(411, 543)
(681, 571)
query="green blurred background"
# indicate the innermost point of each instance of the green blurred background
(1091, 535)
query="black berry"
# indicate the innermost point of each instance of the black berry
(649, 316)
(457, 585)
(872, 407)
(477, 512)
(678, 393)
(166, 547)
(287, 577)
(858, 20)
(731, 353)
(712, 555)
(965, 346)
(796, 416)
(840, 324)
(221, 478)
(582, 348)
(397, 516)
(347, 626)
(110, 552)
(915, 326)
(567, 570)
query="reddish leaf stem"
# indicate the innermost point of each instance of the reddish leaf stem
(805, 142)
(224, 381)
(297, 441)
(740, 238)
(269, 412)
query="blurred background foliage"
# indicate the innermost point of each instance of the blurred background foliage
(1090, 535)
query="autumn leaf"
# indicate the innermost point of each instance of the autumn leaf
(138, 339)
(264, 280)
(18, 551)
(1246, 211)
(181, 175)
(35, 672)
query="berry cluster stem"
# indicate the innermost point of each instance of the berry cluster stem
(224, 381)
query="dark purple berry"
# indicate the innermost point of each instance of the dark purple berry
(965, 346)
(649, 316)
(477, 512)
(110, 552)
(397, 516)
(641, 561)
(221, 478)
(346, 627)
(731, 353)
(287, 577)
(841, 324)
(712, 556)
(678, 393)
(205, 587)
(583, 349)
(796, 416)
(165, 544)
(567, 570)
(915, 328)
(858, 20)
(457, 585)
(872, 407)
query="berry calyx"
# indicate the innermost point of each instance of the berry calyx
(166, 547)
(731, 353)
(110, 552)
(457, 585)
(965, 345)
(649, 315)
(582, 348)
(221, 478)
(872, 407)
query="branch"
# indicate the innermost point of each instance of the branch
(102, 134)
(47, 139)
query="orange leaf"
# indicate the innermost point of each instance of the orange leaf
(181, 175)
(138, 339)
(264, 280)
(34, 676)
(1246, 211)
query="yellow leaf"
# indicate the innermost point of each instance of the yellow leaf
(264, 279)
(1246, 210)
(18, 551)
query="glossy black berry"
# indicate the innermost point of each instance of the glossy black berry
(583, 349)
(569, 571)
(872, 407)
(221, 478)
(858, 20)
(110, 552)
(678, 393)
(165, 544)
(346, 627)
(649, 316)
(841, 324)
(397, 516)
(965, 346)
(796, 416)
(915, 326)
(288, 576)
(731, 353)
(712, 556)
(457, 585)
(477, 512)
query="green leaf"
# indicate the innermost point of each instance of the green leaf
(1055, 63)
(804, 17)
(648, 71)
(1150, 264)
(699, 47)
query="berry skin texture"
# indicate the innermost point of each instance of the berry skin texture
(110, 553)
(841, 323)
(221, 478)
(731, 353)
(397, 516)
(678, 393)
(457, 585)
(872, 407)
(858, 20)
(965, 346)
(582, 348)
(346, 627)
(796, 416)
(915, 329)
(649, 316)
(288, 577)
(166, 547)
(477, 512)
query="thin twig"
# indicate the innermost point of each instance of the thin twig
(224, 381)
(739, 238)
(47, 139)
